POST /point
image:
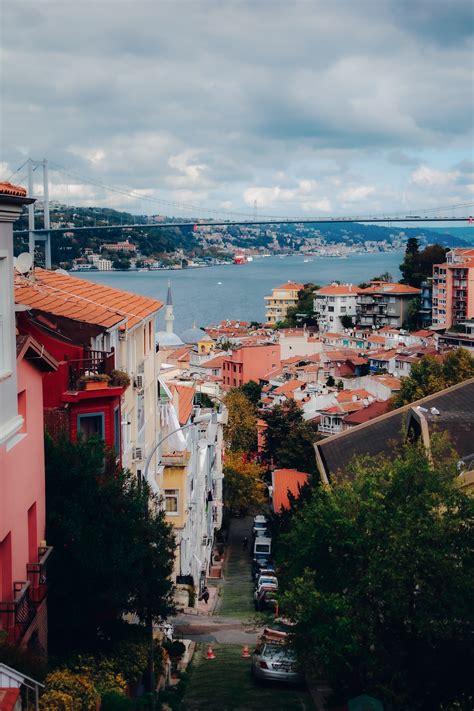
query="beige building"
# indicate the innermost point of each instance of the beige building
(282, 298)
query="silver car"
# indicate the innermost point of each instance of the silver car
(276, 662)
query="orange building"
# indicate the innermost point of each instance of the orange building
(282, 298)
(453, 288)
(249, 362)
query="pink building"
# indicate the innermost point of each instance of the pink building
(23, 550)
(453, 288)
(250, 362)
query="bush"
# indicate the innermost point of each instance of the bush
(78, 688)
(119, 378)
(56, 701)
(114, 701)
(102, 672)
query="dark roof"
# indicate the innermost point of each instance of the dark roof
(456, 408)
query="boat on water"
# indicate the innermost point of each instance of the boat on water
(305, 261)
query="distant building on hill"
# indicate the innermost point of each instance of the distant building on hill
(283, 297)
(125, 246)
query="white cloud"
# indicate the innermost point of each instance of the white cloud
(425, 176)
(356, 194)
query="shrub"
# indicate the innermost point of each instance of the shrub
(113, 701)
(75, 686)
(119, 378)
(53, 700)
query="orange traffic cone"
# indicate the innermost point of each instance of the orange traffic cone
(210, 654)
(245, 651)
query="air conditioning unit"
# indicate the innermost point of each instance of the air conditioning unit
(137, 453)
(138, 382)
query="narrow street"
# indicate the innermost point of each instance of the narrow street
(225, 683)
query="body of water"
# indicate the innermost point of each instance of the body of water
(210, 294)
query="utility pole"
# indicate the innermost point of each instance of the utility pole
(31, 211)
(47, 243)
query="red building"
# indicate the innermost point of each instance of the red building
(250, 362)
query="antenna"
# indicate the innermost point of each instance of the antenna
(24, 262)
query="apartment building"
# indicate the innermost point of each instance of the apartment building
(93, 331)
(24, 552)
(332, 303)
(282, 298)
(190, 479)
(249, 362)
(384, 304)
(453, 289)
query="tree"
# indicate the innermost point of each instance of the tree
(431, 374)
(243, 483)
(240, 433)
(121, 263)
(330, 382)
(347, 321)
(113, 550)
(288, 438)
(303, 312)
(418, 266)
(376, 571)
(385, 276)
(253, 391)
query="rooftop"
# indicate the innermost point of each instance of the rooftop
(82, 300)
(338, 290)
(284, 481)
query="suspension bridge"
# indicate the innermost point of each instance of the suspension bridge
(223, 218)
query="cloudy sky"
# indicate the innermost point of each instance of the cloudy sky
(289, 108)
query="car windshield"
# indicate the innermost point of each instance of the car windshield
(264, 580)
(279, 651)
(259, 524)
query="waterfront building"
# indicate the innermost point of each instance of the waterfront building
(104, 265)
(94, 331)
(23, 550)
(384, 304)
(332, 303)
(125, 246)
(453, 288)
(282, 298)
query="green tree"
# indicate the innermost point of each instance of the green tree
(347, 321)
(240, 433)
(431, 374)
(303, 312)
(416, 265)
(243, 483)
(289, 438)
(253, 391)
(330, 382)
(113, 550)
(121, 263)
(377, 574)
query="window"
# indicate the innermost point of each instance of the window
(171, 501)
(22, 408)
(117, 431)
(91, 425)
(5, 346)
(32, 534)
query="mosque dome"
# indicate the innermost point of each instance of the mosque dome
(194, 335)
(166, 339)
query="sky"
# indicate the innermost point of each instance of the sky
(292, 108)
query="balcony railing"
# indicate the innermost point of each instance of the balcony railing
(94, 363)
(17, 615)
(37, 574)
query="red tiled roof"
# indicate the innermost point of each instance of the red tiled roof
(287, 388)
(341, 289)
(284, 480)
(389, 380)
(185, 401)
(82, 300)
(291, 286)
(214, 362)
(389, 288)
(9, 189)
(343, 407)
(347, 395)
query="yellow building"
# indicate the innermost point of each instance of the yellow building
(282, 298)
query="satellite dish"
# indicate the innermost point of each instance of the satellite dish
(61, 271)
(24, 262)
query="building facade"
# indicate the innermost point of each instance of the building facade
(453, 289)
(249, 362)
(23, 550)
(282, 298)
(384, 304)
(332, 303)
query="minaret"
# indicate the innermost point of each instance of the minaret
(169, 317)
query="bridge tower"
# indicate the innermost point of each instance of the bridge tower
(46, 236)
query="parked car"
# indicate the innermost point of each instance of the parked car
(262, 546)
(266, 600)
(260, 562)
(274, 660)
(266, 579)
(269, 570)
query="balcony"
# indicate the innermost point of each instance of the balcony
(95, 363)
(175, 459)
(37, 574)
(18, 614)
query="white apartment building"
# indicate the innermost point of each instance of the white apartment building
(333, 302)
